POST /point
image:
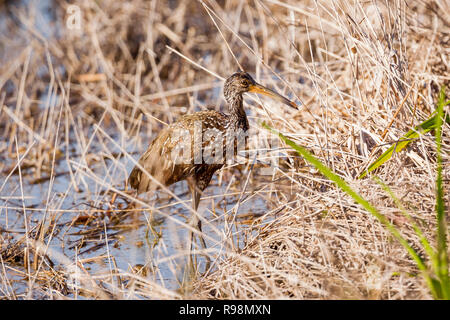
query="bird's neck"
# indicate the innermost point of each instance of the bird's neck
(237, 113)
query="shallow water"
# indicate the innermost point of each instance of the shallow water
(75, 204)
(128, 247)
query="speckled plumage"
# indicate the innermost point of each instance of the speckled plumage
(157, 159)
(161, 160)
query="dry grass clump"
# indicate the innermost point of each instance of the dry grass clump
(325, 248)
(77, 106)
(369, 85)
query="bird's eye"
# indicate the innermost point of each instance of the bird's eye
(244, 83)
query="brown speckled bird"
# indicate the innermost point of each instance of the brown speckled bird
(158, 160)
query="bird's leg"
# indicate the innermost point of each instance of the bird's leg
(195, 221)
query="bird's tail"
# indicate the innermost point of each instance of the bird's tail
(135, 178)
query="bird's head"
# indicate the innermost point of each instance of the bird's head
(241, 82)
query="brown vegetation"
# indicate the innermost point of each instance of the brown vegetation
(78, 106)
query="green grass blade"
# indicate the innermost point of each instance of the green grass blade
(435, 285)
(403, 142)
(442, 271)
(426, 245)
(364, 203)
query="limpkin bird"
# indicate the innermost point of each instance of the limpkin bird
(159, 161)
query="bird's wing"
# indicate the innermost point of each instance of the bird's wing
(175, 153)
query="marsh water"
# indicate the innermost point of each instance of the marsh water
(71, 207)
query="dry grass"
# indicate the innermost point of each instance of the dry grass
(82, 104)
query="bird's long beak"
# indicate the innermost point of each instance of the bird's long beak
(257, 88)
